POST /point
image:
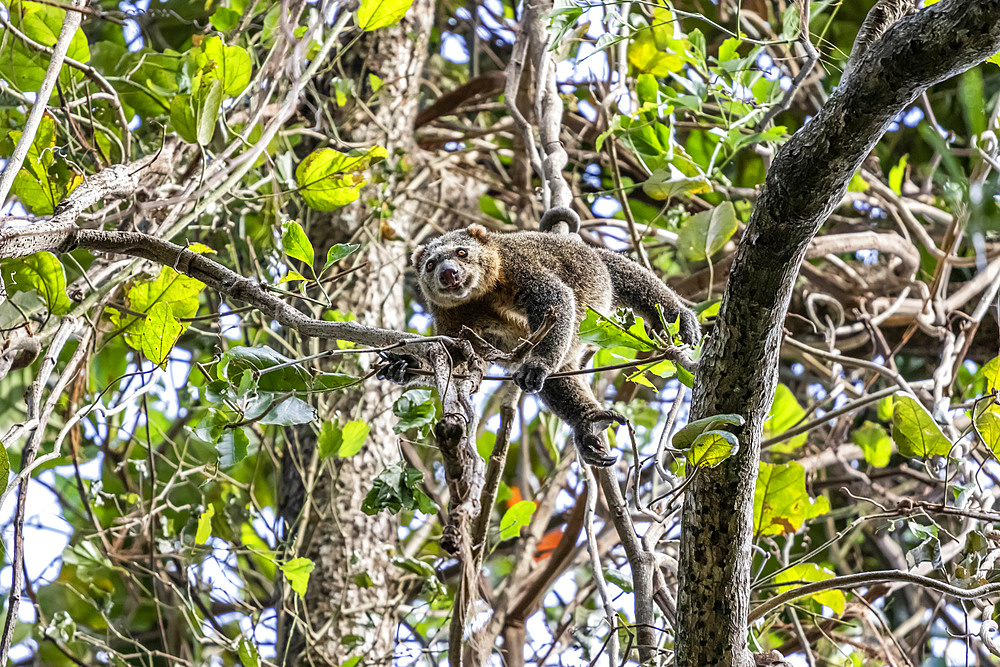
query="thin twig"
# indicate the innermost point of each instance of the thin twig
(69, 26)
(595, 565)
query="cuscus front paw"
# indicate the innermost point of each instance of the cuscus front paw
(591, 441)
(531, 375)
(398, 367)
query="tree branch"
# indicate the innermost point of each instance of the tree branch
(69, 26)
(737, 373)
(868, 579)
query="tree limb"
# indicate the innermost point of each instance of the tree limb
(738, 369)
(69, 26)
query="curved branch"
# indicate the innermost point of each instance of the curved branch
(867, 579)
(69, 26)
(738, 370)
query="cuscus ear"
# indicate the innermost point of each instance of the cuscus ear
(477, 232)
(417, 255)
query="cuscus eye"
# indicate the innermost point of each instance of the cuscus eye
(462, 252)
(429, 266)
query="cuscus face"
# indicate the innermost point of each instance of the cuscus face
(452, 268)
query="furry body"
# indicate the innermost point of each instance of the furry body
(503, 285)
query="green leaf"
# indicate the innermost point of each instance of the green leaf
(288, 411)
(194, 115)
(375, 14)
(329, 440)
(987, 425)
(647, 88)
(990, 373)
(432, 588)
(620, 579)
(42, 182)
(809, 572)
(623, 330)
(896, 175)
(249, 655)
(207, 107)
(230, 65)
(515, 518)
(703, 234)
(25, 66)
(4, 463)
(415, 409)
(232, 446)
(664, 185)
(225, 19)
(780, 502)
(178, 291)
(353, 436)
(296, 243)
(657, 51)
(874, 443)
(785, 413)
(160, 332)
(291, 276)
(686, 437)
(42, 272)
(328, 179)
(297, 573)
(727, 50)
(398, 487)
(712, 448)
(914, 431)
(204, 525)
(290, 377)
(184, 118)
(339, 252)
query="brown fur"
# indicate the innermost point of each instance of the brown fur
(503, 285)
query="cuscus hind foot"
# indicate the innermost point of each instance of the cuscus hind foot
(590, 440)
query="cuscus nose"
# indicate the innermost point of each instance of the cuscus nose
(448, 277)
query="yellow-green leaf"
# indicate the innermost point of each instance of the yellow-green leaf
(375, 14)
(160, 332)
(353, 436)
(42, 272)
(328, 179)
(175, 289)
(296, 243)
(784, 414)
(712, 448)
(297, 573)
(987, 425)
(231, 65)
(204, 525)
(516, 517)
(781, 503)
(914, 431)
(874, 443)
(809, 572)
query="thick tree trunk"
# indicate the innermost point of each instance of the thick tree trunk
(739, 368)
(343, 614)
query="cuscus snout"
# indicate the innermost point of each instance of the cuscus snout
(449, 277)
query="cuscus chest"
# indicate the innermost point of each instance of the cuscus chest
(504, 321)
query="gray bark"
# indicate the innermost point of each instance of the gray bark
(738, 371)
(345, 544)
